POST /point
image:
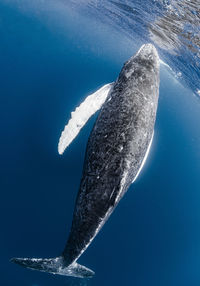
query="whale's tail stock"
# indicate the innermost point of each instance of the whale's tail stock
(55, 266)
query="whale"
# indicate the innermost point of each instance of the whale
(116, 152)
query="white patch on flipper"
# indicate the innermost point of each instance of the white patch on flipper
(144, 160)
(81, 115)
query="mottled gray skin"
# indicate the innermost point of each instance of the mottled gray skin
(116, 148)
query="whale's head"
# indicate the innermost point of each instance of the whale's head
(149, 54)
(147, 57)
(142, 69)
(144, 61)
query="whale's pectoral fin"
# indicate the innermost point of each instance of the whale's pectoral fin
(81, 115)
(55, 266)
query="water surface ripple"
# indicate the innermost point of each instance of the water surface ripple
(173, 26)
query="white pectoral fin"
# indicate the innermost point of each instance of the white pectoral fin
(145, 158)
(81, 115)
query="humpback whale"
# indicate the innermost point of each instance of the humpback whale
(117, 148)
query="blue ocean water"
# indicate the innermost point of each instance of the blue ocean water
(51, 58)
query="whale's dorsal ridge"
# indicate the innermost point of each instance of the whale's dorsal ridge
(80, 116)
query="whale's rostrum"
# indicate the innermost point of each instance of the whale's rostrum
(116, 152)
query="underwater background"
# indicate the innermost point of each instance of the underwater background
(52, 55)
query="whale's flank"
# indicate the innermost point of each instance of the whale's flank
(144, 160)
